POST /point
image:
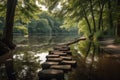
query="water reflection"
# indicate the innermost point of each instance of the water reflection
(30, 53)
(28, 57)
(93, 64)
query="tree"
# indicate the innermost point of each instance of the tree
(8, 30)
(118, 19)
(98, 14)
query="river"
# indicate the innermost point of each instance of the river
(92, 62)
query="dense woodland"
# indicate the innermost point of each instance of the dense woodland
(96, 18)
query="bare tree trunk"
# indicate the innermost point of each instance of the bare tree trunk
(8, 30)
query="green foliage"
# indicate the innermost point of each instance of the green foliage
(68, 23)
(98, 35)
(92, 15)
(82, 26)
(21, 29)
(2, 8)
(39, 26)
(25, 10)
(47, 24)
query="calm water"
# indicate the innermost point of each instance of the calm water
(93, 64)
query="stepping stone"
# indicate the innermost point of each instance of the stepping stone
(65, 68)
(47, 65)
(62, 48)
(68, 52)
(58, 53)
(49, 74)
(54, 59)
(72, 63)
(59, 46)
(55, 51)
(66, 57)
(52, 56)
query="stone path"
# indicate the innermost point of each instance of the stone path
(58, 62)
(109, 46)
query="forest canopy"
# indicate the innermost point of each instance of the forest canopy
(93, 16)
(90, 17)
(30, 18)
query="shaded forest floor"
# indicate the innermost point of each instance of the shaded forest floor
(109, 46)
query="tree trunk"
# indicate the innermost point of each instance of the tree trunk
(118, 29)
(102, 25)
(85, 16)
(8, 30)
(118, 21)
(92, 12)
(88, 49)
(100, 17)
(112, 29)
(110, 13)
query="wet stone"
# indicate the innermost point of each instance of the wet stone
(68, 52)
(66, 57)
(72, 63)
(52, 56)
(65, 68)
(58, 53)
(62, 48)
(59, 46)
(47, 65)
(54, 59)
(49, 74)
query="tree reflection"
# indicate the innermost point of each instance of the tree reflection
(86, 57)
(93, 63)
(26, 65)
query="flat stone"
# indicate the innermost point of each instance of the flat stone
(61, 48)
(64, 49)
(65, 68)
(52, 56)
(68, 52)
(49, 74)
(58, 53)
(54, 59)
(72, 63)
(66, 57)
(47, 65)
